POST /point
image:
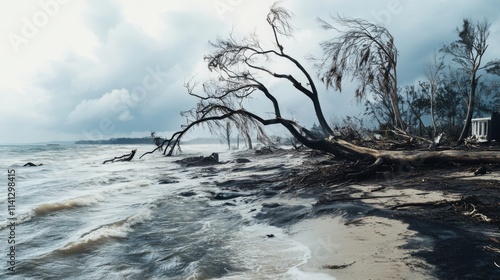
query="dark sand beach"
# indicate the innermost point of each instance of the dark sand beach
(432, 222)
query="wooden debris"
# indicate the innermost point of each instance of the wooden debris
(342, 266)
(481, 171)
(127, 157)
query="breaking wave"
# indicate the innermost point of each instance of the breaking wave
(116, 230)
(47, 208)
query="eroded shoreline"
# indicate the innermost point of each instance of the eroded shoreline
(431, 223)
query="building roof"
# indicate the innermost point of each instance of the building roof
(482, 119)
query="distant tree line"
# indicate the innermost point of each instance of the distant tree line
(117, 141)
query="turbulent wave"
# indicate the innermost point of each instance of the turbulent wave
(111, 209)
(47, 208)
(82, 201)
(116, 230)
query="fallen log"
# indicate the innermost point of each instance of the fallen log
(440, 203)
(127, 157)
(342, 266)
(417, 158)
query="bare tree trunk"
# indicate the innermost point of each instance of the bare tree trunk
(228, 135)
(248, 140)
(397, 115)
(395, 107)
(433, 70)
(470, 109)
(433, 120)
(435, 141)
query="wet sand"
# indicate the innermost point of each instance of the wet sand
(369, 248)
(444, 226)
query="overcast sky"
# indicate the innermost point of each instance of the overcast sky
(72, 69)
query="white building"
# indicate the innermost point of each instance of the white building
(480, 128)
(486, 129)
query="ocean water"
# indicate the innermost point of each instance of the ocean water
(76, 218)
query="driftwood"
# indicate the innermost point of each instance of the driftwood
(440, 203)
(127, 157)
(29, 164)
(342, 266)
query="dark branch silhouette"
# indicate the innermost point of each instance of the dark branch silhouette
(127, 157)
(366, 52)
(243, 69)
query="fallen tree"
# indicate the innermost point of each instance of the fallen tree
(126, 157)
(242, 68)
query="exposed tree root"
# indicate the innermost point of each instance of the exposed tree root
(491, 249)
(466, 207)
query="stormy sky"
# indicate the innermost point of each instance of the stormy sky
(72, 69)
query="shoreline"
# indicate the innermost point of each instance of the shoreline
(429, 223)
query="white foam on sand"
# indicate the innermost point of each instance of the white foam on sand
(369, 248)
(269, 252)
(276, 257)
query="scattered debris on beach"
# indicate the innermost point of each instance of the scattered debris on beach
(342, 266)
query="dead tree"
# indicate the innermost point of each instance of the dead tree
(127, 157)
(366, 52)
(467, 52)
(240, 66)
(433, 74)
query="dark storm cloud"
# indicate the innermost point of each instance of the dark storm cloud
(144, 75)
(111, 87)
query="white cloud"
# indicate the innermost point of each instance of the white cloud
(35, 33)
(113, 105)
